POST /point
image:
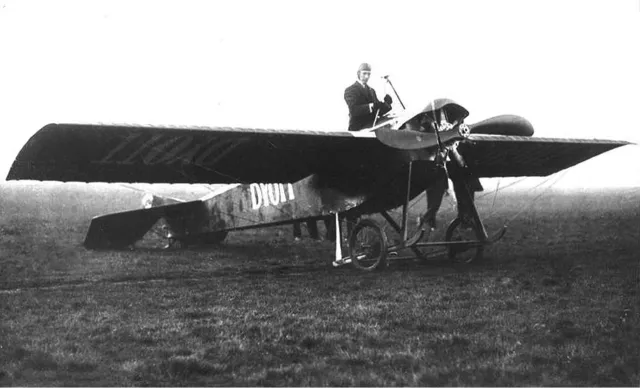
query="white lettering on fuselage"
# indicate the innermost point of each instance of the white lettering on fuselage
(265, 194)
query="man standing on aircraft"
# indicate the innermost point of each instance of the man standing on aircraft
(364, 106)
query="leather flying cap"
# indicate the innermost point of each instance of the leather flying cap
(364, 67)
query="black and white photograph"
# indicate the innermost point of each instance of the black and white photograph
(319, 193)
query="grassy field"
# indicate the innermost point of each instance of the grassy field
(556, 302)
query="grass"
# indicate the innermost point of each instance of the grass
(555, 303)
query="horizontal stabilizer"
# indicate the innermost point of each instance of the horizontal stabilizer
(119, 230)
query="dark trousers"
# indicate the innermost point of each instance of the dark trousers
(465, 185)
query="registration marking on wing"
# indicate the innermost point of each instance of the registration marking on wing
(167, 150)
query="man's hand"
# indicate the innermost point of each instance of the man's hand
(388, 99)
(379, 105)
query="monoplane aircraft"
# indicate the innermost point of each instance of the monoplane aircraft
(283, 176)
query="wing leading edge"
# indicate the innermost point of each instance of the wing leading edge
(509, 156)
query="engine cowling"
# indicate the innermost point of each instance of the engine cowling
(507, 125)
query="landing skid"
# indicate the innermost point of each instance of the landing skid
(458, 250)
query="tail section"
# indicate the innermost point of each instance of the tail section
(119, 230)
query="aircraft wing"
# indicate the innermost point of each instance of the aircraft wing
(509, 156)
(149, 154)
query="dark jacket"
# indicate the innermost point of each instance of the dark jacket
(358, 99)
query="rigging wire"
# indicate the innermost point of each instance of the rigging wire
(495, 195)
(631, 194)
(504, 187)
(554, 179)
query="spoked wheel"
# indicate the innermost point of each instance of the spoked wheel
(463, 254)
(368, 246)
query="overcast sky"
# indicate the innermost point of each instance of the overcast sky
(570, 67)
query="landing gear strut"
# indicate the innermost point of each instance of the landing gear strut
(464, 241)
